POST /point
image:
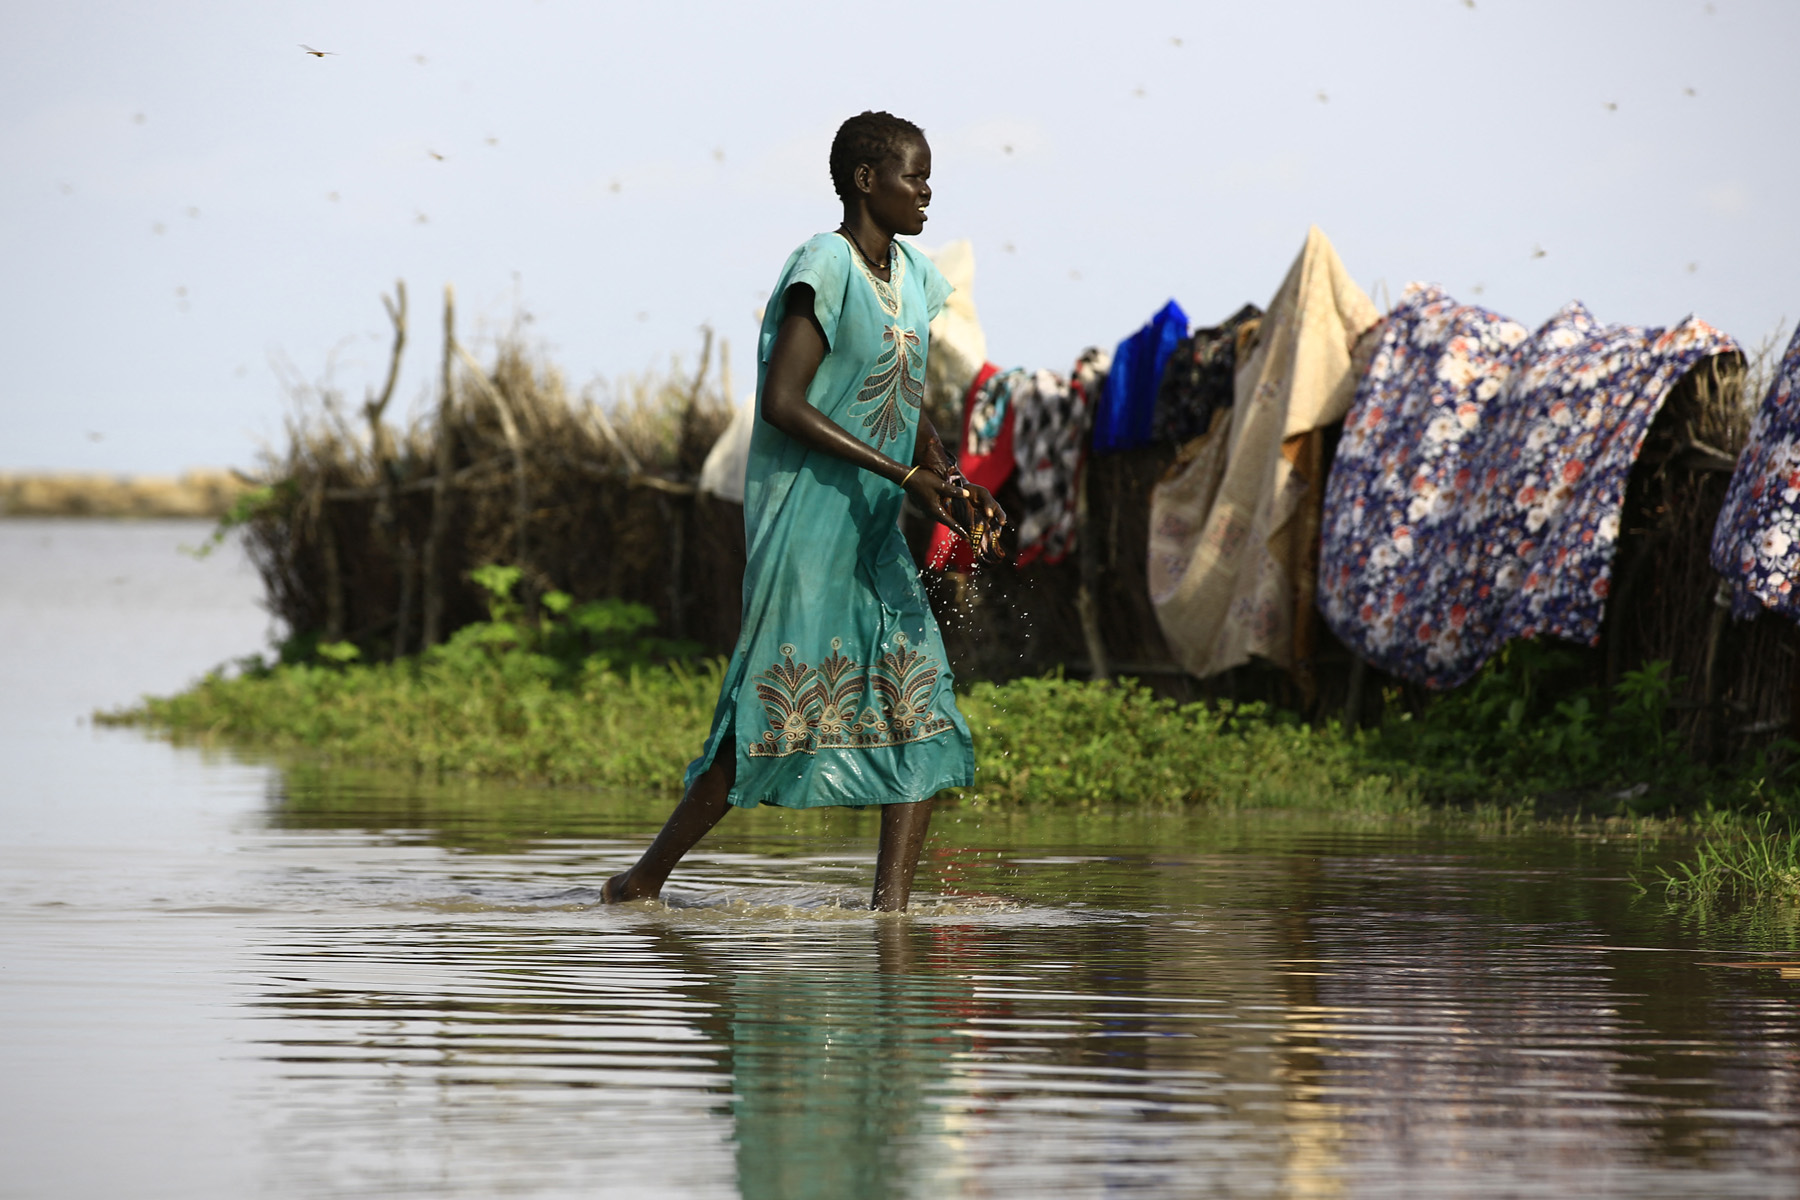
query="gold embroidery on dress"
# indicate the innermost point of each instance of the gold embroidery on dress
(887, 291)
(890, 383)
(812, 708)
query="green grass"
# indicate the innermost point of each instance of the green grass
(1750, 861)
(634, 726)
(520, 716)
(581, 696)
(584, 697)
(1097, 744)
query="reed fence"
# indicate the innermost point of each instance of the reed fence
(368, 534)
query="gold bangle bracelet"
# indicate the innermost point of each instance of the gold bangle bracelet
(907, 476)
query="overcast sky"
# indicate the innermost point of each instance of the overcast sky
(188, 197)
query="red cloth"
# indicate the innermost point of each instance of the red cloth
(950, 551)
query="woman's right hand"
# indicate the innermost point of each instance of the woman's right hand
(939, 497)
(936, 495)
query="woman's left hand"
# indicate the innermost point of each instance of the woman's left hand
(988, 519)
(936, 495)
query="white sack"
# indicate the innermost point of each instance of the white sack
(722, 474)
(958, 347)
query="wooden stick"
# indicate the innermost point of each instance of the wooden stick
(469, 474)
(380, 445)
(599, 417)
(693, 396)
(725, 374)
(1709, 673)
(634, 473)
(1085, 604)
(672, 487)
(408, 562)
(1353, 695)
(432, 568)
(381, 454)
(334, 577)
(508, 427)
(427, 484)
(1696, 455)
(657, 483)
(673, 515)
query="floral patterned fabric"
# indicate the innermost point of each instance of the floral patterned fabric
(842, 703)
(1756, 543)
(1477, 488)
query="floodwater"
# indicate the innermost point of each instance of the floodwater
(224, 978)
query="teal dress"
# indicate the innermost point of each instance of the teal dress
(838, 692)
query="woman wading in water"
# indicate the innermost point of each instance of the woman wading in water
(838, 692)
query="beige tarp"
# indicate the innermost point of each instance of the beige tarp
(958, 346)
(1234, 530)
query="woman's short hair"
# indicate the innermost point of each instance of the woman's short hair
(870, 137)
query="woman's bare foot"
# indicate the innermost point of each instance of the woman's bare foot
(699, 810)
(618, 889)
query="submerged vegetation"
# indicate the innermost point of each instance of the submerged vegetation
(582, 694)
(578, 694)
(586, 694)
(1757, 861)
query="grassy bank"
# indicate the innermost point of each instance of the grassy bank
(467, 709)
(584, 696)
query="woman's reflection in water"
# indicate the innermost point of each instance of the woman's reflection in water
(834, 1068)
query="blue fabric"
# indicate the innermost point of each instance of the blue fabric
(838, 691)
(1128, 403)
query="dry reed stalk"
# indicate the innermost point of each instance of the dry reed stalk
(364, 540)
(432, 569)
(595, 495)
